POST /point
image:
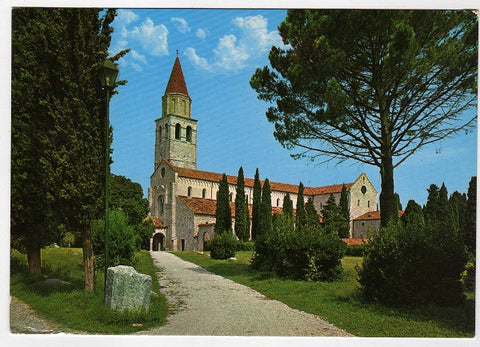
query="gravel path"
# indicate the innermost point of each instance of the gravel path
(207, 304)
(24, 320)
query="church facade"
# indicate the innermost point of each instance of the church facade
(183, 199)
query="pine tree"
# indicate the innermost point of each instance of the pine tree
(265, 222)
(223, 213)
(241, 220)
(344, 228)
(313, 219)
(301, 217)
(471, 215)
(413, 216)
(257, 198)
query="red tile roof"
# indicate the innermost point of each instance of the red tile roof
(355, 241)
(274, 186)
(156, 222)
(208, 207)
(374, 215)
(176, 83)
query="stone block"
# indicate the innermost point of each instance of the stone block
(126, 289)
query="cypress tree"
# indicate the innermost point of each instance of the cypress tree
(413, 216)
(397, 201)
(288, 210)
(313, 219)
(431, 207)
(223, 213)
(265, 223)
(301, 218)
(344, 228)
(444, 215)
(458, 203)
(257, 198)
(241, 220)
(332, 216)
(471, 215)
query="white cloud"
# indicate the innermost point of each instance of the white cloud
(197, 61)
(234, 52)
(125, 17)
(153, 38)
(201, 34)
(181, 24)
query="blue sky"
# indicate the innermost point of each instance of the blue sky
(219, 51)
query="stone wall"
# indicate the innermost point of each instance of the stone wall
(363, 228)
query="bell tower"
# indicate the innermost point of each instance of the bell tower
(176, 130)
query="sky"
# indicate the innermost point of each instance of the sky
(219, 51)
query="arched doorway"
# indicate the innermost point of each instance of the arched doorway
(206, 238)
(158, 242)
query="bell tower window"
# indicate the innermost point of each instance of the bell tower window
(177, 131)
(189, 134)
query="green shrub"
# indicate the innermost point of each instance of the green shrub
(121, 240)
(222, 246)
(144, 232)
(468, 276)
(309, 254)
(68, 240)
(409, 266)
(244, 246)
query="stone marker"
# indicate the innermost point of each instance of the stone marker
(126, 289)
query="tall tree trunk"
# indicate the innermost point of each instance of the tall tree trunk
(34, 259)
(388, 205)
(88, 259)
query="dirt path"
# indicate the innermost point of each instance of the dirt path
(208, 304)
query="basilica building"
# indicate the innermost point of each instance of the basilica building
(183, 199)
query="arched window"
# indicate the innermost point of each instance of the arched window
(278, 202)
(189, 134)
(184, 104)
(231, 196)
(189, 191)
(177, 131)
(160, 204)
(166, 130)
(204, 193)
(160, 132)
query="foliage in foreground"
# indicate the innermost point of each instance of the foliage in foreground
(412, 266)
(339, 303)
(73, 308)
(306, 254)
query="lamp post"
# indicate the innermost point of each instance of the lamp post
(108, 76)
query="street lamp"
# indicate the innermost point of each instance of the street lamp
(108, 76)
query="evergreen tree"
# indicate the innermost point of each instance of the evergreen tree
(413, 216)
(444, 216)
(58, 124)
(288, 210)
(431, 207)
(397, 202)
(471, 215)
(332, 216)
(128, 196)
(257, 199)
(301, 217)
(458, 203)
(241, 220)
(223, 213)
(312, 217)
(265, 223)
(344, 229)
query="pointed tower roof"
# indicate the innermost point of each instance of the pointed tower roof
(176, 83)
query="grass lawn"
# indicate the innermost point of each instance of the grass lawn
(73, 308)
(339, 304)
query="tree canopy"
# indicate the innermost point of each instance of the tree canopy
(370, 85)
